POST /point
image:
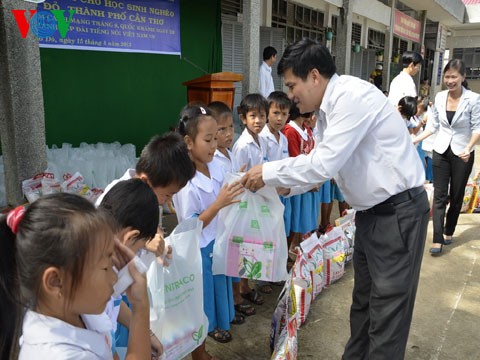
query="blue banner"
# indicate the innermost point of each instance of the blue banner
(109, 25)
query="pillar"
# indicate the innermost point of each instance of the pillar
(22, 118)
(251, 36)
(344, 38)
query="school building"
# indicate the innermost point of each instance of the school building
(54, 96)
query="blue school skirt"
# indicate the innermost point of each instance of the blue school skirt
(217, 293)
(305, 210)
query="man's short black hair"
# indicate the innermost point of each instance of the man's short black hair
(409, 57)
(268, 52)
(304, 56)
(165, 161)
(132, 203)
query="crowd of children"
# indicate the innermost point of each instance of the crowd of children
(65, 249)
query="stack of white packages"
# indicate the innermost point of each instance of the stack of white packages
(99, 163)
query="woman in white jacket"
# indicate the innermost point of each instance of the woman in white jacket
(456, 120)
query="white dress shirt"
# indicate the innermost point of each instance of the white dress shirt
(274, 150)
(465, 121)
(247, 151)
(46, 337)
(265, 80)
(197, 196)
(402, 85)
(364, 146)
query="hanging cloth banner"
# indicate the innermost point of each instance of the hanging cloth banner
(406, 27)
(108, 25)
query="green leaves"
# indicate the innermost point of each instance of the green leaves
(197, 335)
(253, 270)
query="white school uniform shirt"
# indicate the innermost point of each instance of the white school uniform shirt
(129, 174)
(274, 150)
(364, 146)
(229, 165)
(46, 337)
(197, 196)
(265, 80)
(247, 151)
(402, 85)
(465, 122)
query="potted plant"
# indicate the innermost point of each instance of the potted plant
(396, 57)
(329, 33)
(379, 55)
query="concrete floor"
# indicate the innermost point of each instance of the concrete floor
(446, 320)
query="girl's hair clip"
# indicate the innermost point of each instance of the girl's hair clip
(14, 217)
(202, 109)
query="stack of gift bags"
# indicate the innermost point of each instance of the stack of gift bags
(320, 262)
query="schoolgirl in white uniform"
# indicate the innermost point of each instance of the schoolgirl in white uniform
(64, 257)
(203, 197)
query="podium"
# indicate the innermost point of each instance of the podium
(213, 87)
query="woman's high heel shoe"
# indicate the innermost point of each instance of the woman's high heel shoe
(434, 251)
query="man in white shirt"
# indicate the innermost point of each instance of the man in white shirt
(265, 80)
(365, 148)
(403, 85)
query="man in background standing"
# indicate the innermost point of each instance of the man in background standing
(265, 81)
(403, 85)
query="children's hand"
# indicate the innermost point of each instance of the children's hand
(157, 347)
(283, 191)
(137, 292)
(167, 255)
(121, 254)
(228, 193)
(157, 244)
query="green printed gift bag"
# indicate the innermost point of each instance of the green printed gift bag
(176, 293)
(251, 241)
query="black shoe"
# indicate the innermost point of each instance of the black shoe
(436, 251)
(447, 241)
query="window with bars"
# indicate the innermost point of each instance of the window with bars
(298, 21)
(231, 7)
(399, 45)
(376, 39)
(356, 33)
(471, 58)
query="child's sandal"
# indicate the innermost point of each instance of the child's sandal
(220, 335)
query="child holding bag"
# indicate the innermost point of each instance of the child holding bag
(61, 249)
(204, 196)
(250, 150)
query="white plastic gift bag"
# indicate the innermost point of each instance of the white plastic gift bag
(251, 241)
(334, 254)
(176, 293)
(313, 252)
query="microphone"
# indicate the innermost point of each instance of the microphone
(193, 64)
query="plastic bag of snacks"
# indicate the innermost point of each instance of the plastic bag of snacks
(469, 198)
(334, 255)
(251, 241)
(176, 293)
(287, 345)
(347, 224)
(313, 252)
(41, 184)
(302, 286)
(285, 308)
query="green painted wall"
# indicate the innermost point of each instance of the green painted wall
(93, 96)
